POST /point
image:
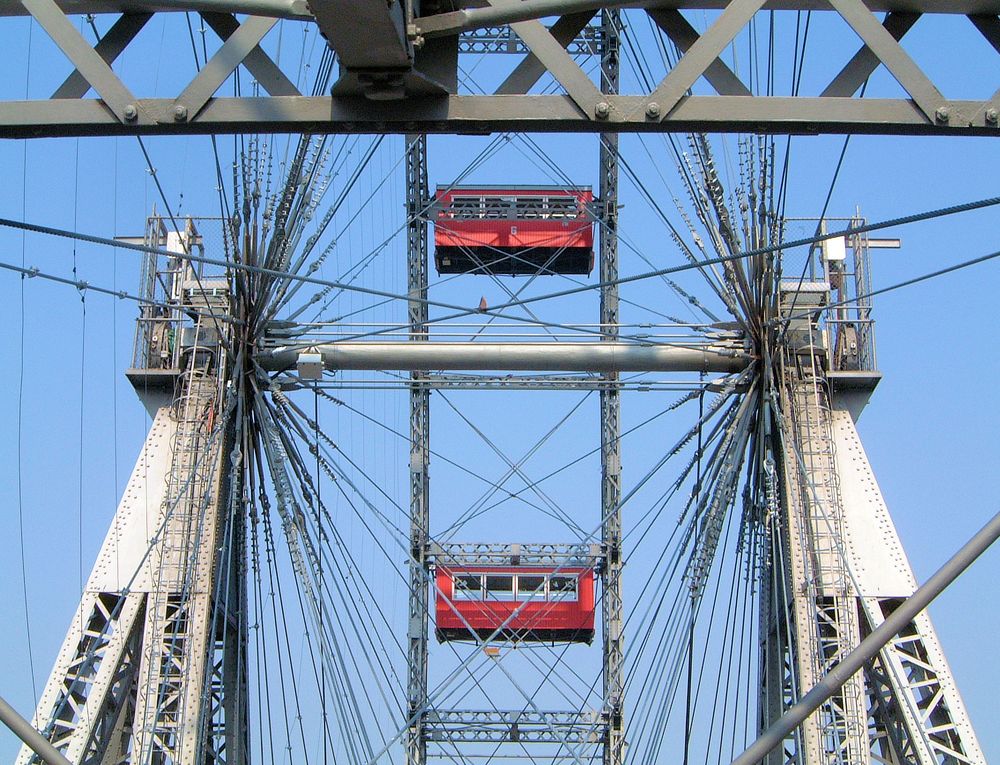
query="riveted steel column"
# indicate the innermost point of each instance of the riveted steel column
(416, 228)
(611, 527)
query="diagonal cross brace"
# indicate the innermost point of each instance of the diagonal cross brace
(683, 35)
(218, 69)
(257, 62)
(109, 48)
(891, 55)
(864, 62)
(94, 69)
(528, 72)
(554, 57)
(989, 27)
(700, 56)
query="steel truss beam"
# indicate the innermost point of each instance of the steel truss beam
(500, 554)
(543, 383)
(414, 63)
(538, 382)
(504, 40)
(299, 9)
(526, 726)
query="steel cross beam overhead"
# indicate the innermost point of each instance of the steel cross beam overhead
(399, 64)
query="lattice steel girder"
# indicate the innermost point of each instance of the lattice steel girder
(414, 63)
(499, 553)
(612, 606)
(417, 191)
(824, 618)
(503, 40)
(502, 726)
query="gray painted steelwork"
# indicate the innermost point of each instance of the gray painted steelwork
(612, 606)
(874, 643)
(404, 79)
(299, 9)
(493, 114)
(417, 270)
(31, 737)
(607, 357)
(840, 571)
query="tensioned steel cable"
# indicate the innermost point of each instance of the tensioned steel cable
(347, 696)
(517, 467)
(716, 284)
(672, 610)
(81, 285)
(252, 269)
(770, 249)
(849, 231)
(676, 630)
(542, 157)
(483, 155)
(680, 443)
(475, 474)
(283, 638)
(348, 604)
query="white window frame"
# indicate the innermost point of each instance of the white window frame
(563, 595)
(508, 597)
(461, 594)
(533, 594)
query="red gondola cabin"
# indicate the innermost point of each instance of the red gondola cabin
(507, 231)
(525, 603)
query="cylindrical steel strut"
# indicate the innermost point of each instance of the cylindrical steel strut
(537, 357)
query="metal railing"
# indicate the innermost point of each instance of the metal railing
(166, 283)
(843, 266)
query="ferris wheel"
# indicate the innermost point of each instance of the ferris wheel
(492, 447)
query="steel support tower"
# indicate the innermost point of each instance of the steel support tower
(836, 566)
(153, 666)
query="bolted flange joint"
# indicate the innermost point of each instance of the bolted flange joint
(652, 110)
(992, 116)
(180, 113)
(942, 114)
(602, 110)
(131, 113)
